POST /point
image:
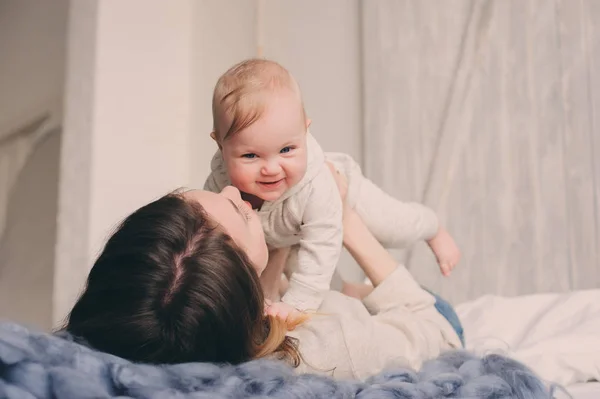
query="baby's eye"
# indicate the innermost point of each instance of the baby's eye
(285, 150)
(249, 156)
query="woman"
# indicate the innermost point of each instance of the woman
(179, 281)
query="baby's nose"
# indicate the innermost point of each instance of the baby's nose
(271, 168)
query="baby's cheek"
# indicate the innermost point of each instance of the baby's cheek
(241, 176)
(296, 170)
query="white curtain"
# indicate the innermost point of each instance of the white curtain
(16, 144)
(29, 169)
(488, 111)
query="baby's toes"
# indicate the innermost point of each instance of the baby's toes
(449, 266)
(445, 268)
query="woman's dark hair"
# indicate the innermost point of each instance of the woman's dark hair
(171, 287)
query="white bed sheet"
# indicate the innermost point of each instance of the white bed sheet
(557, 335)
(591, 390)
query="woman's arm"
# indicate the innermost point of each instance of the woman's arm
(271, 276)
(396, 324)
(371, 256)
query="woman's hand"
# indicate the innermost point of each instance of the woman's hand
(375, 261)
(282, 311)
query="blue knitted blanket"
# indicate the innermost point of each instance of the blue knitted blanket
(39, 365)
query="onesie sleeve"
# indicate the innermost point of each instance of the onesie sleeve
(320, 244)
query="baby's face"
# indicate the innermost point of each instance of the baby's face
(269, 157)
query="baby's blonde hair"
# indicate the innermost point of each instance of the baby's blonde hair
(240, 95)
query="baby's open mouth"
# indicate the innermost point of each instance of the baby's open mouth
(270, 183)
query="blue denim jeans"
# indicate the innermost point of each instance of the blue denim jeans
(448, 312)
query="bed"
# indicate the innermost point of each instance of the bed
(557, 335)
(590, 390)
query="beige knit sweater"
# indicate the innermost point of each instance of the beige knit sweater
(396, 325)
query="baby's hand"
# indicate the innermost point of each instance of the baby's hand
(281, 310)
(445, 250)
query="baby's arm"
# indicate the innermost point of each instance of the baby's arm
(320, 244)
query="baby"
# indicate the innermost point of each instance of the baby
(268, 153)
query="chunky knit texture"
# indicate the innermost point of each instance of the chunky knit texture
(40, 365)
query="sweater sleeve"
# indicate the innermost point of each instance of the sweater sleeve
(218, 178)
(404, 327)
(320, 244)
(211, 184)
(396, 325)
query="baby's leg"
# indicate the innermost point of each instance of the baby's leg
(394, 223)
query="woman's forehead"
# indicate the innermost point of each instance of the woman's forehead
(216, 205)
(200, 195)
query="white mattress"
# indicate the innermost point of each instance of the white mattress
(557, 335)
(590, 390)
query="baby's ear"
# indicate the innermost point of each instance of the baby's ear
(213, 136)
(308, 122)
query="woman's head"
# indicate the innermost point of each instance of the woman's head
(237, 218)
(177, 283)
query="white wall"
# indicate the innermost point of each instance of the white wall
(127, 124)
(319, 42)
(224, 33)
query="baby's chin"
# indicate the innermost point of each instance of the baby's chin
(270, 197)
(252, 194)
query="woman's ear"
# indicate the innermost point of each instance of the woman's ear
(213, 136)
